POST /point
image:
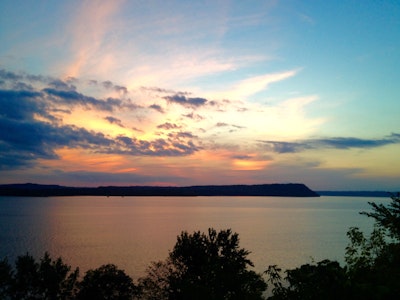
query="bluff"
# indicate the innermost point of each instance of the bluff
(37, 190)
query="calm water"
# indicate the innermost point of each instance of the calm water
(133, 231)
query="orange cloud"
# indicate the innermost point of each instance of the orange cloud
(71, 160)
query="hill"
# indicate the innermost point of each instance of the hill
(37, 190)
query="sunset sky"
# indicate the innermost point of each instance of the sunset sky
(201, 92)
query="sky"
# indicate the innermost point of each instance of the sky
(180, 93)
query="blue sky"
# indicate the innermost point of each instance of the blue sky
(200, 92)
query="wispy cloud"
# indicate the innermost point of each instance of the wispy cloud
(87, 30)
(253, 85)
(331, 143)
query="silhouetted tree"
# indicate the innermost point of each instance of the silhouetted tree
(6, 277)
(373, 264)
(387, 217)
(372, 268)
(47, 279)
(204, 266)
(323, 280)
(107, 283)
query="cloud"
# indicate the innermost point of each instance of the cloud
(193, 116)
(333, 143)
(157, 147)
(61, 85)
(20, 104)
(113, 120)
(157, 108)
(250, 86)
(32, 128)
(118, 88)
(223, 124)
(75, 98)
(168, 126)
(29, 140)
(163, 91)
(182, 135)
(185, 101)
(87, 45)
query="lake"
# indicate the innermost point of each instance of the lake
(131, 232)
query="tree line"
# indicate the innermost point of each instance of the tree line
(213, 266)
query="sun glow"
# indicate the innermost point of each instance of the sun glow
(249, 165)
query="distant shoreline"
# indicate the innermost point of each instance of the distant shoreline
(38, 190)
(355, 193)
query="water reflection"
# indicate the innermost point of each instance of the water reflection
(133, 231)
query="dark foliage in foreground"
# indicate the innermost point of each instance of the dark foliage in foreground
(106, 282)
(204, 266)
(46, 279)
(201, 266)
(213, 266)
(372, 268)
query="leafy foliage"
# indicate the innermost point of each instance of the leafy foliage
(5, 279)
(204, 266)
(372, 268)
(387, 217)
(47, 279)
(105, 283)
(324, 280)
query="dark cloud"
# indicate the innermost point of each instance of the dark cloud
(182, 135)
(29, 132)
(56, 92)
(286, 147)
(168, 126)
(115, 121)
(157, 108)
(163, 91)
(72, 97)
(25, 140)
(12, 77)
(61, 85)
(20, 104)
(334, 142)
(346, 143)
(186, 101)
(7, 75)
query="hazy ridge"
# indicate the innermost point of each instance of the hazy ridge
(38, 190)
